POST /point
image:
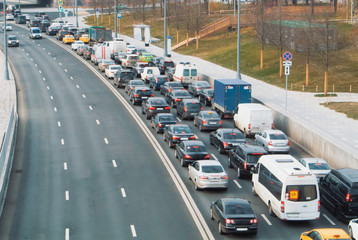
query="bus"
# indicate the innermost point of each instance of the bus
(288, 189)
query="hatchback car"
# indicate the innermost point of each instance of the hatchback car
(174, 134)
(226, 139)
(234, 215)
(160, 121)
(13, 41)
(316, 166)
(170, 73)
(206, 95)
(164, 64)
(76, 44)
(129, 60)
(106, 62)
(8, 27)
(122, 77)
(170, 86)
(207, 120)
(195, 87)
(274, 141)
(176, 96)
(325, 233)
(208, 174)
(139, 94)
(189, 151)
(111, 70)
(9, 17)
(132, 84)
(188, 108)
(154, 105)
(68, 39)
(145, 57)
(51, 31)
(156, 82)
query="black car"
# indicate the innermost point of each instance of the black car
(40, 14)
(170, 86)
(170, 72)
(132, 84)
(234, 215)
(156, 60)
(122, 77)
(174, 134)
(156, 82)
(82, 49)
(188, 108)
(195, 87)
(154, 105)
(205, 96)
(21, 19)
(51, 31)
(13, 41)
(226, 139)
(139, 94)
(72, 31)
(87, 53)
(138, 68)
(33, 23)
(78, 34)
(60, 34)
(164, 64)
(207, 120)
(44, 24)
(176, 96)
(244, 158)
(189, 151)
(160, 121)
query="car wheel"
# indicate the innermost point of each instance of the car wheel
(200, 127)
(211, 214)
(229, 163)
(271, 210)
(175, 153)
(221, 149)
(170, 144)
(350, 232)
(206, 102)
(164, 137)
(338, 213)
(172, 104)
(182, 162)
(239, 173)
(246, 135)
(220, 228)
(253, 190)
(196, 186)
(143, 111)
(156, 129)
(147, 116)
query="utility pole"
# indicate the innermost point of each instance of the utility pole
(238, 74)
(352, 12)
(76, 13)
(5, 44)
(165, 29)
(115, 18)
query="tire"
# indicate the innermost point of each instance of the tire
(253, 190)
(229, 163)
(200, 127)
(246, 135)
(220, 228)
(147, 116)
(338, 213)
(221, 149)
(211, 214)
(157, 130)
(271, 210)
(142, 111)
(164, 137)
(350, 232)
(196, 186)
(239, 173)
(182, 162)
(176, 154)
(206, 102)
(170, 144)
(172, 104)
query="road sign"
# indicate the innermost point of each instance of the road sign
(119, 15)
(60, 2)
(287, 63)
(97, 10)
(287, 70)
(97, 13)
(60, 8)
(287, 56)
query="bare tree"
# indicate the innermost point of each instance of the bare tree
(110, 4)
(261, 31)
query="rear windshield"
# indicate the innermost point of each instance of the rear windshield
(238, 209)
(210, 92)
(167, 118)
(137, 83)
(182, 94)
(142, 65)
(127, 75)
(194, 72)
(233, 136)
(133, 57)
(115, 67)
(168, 64)
(12, 38)
(212, 169)
(301, 193)
(277, 136)
(196, 148)
(144, 92)
(253, 158)
(158, 102)
(211, 115)
(182, 130)
(186, 73)
(193, 106)
(175, 84)
(318, 166)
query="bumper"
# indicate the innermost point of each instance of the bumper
(211, 126)
(189, 115)
(155, 112)
(278, 149)
(240, 229)
(208, 184)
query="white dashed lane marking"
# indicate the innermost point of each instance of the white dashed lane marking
(65, 166)
(71, 78)
(55, 109)
(65, 70)
(44, 79)
(134, 234)
(123, 192)
(97, 121)
(84, 96)
(67, 234)
(90, 107)
(77, 86)
(237, 184)
(59, 124)
(67, 195)
(60, 64)
(62, 141)
(114, 163)
(106, 140)
(266, 219)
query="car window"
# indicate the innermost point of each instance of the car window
(253, 158)
(167, 118)
(238, 209)
(233, 136)
(182, 93)
(219, 205)
(277, 136)
(318, 166)
(211, 115)
(150, 71)
(186, 72)
(300, 193)
(197, 166)
(158, 102)
(212, 169)
(195, 148)
(193, 72)
(181, 129)
(193, 106)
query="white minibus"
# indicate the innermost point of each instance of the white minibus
(288, 189)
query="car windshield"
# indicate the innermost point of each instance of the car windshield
(36, 30)
(137, 83)
(182, 130)
(253, 158)
(318, 166)
(12, 38)
(194, 72)
(115, 67)
(158, 102)
(238, 209)
(168, 64)
(212, 169)
(301, 193)
(277, 136)
(233, 135)
(133, 57)
(142, 65)
(108, 62)
(195, 148)
(127, 75)
(162, 79)
(181, 94)
(210, 115)
(167, 118)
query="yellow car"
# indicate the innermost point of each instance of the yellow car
(68, 39)
(84, 38)
(325, 233)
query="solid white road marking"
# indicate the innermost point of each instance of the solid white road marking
(55, 109)
(65, 165)
(114, 163)
(77, 86)
(67, 234)
(67, 194)
(59, 124)
(43, 49)
(90, 107)
(237, 184)
(328, 219)
(38, 44)
(134, 234)
(106, 140)
(215, 157)
(65, 70)
(48, 87)
(84, 96)
(51, 97)
(266, 219)
(62, 141)
(40, 71)
(123, 192)
(98, 122)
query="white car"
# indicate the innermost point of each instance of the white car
(10, 17)
(316, 166)
(353, 228)
(208, 174)
(8, 27)
(76, 44)
(273, 141)
(111, 70)
(130, 49)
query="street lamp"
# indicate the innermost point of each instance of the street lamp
(5, 44)
(76, 13)
(238, 39)
(165, 29)
(115, 18)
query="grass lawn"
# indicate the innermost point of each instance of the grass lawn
(350, 109)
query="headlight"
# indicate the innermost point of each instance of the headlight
(17, 41)
(9, 41)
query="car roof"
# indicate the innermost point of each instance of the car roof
(247, 148)
(156, 98)
(181, 125)
(136, 80)
(229, 130)
(332, 233)
(209, 163)
(193, 142)
(271, 131)
(235, 200)
(349, 175)
(314, 160)
(193, 100)
(165, 114)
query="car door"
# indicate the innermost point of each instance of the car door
(218, 209)
(180, 149)
(235, 158)
(193, 168)
(215, 137)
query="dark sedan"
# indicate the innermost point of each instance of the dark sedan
(128, 88)
(154, 105)
(234, 215)
(118, 58)
(139, 94)
(160, 121)
(156, 82)
(174, 134)
(206, 95)
(87, 53)
(170, 86)
(195, 87)
(51, 31)
(207, 120)
(176, 96)
(189, 151)
(226, 139)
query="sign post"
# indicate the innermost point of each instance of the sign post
(60, 8)
(119, 16)
(97, 14)
(287, 56)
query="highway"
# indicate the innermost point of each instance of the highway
(87, 167)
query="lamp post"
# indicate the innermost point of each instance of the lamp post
(19, 6)
(115, 18)
(165, 29)
(76, 13)
(5, 44)
(238, 74)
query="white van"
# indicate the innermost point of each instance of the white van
(252, 118)
(288, 189)
(100, 52)
(185, 73)
(149, 72)
(116, 47)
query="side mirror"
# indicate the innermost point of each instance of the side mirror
(253, 170)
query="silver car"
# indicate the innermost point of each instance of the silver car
(273, 141)
(316, 166)
(130, 60)
(208, 174)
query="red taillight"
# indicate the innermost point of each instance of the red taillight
(202, 108)
(152, 108)
(282, 206)
(167, 108)
(197, 88)
(162, 66)
(175, 137)
(319, 206)
(225, 144)
(160, 125)
(177, 100)
(205, 121)
(181, 79)
(348, 196)
(288, 143)
(187, 157)
(152, 95)
(225, 177)
(229, 221)
(192, 138)
(207, 157)
(245, 166)
(204, 177)
(209, 98)
(136, 95)
(221, 122)
(253, 221)
(185, 109)
(127, 61)
(249, 127)
(270, 143)
(271, 125)
(156, 80)
(169, 90)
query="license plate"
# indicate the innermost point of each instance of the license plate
(235, 144)
(241, 229)
(280, 144)
(184, 138)
(159, 108)
(144, 97)
(212, 122)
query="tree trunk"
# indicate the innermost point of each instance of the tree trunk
(197, 40)
(281, 66)
(312, 7)
(307, 74)
(335, 5)
(187, 39)
(177, 37)
(326, 82)
(262, 59)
